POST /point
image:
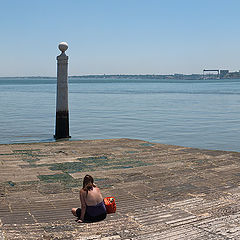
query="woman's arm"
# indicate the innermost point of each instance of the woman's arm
(83, 196)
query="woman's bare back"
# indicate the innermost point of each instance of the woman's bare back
(93, 197)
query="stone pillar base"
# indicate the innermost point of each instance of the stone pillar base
(62, 125)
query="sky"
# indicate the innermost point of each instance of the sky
(119, 36)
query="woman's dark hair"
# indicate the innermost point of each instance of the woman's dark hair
(88, 183)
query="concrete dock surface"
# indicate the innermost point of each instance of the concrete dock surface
(161, 191)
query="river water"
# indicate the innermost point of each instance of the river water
(193, 113)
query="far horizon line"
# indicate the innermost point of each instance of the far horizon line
(102, 74)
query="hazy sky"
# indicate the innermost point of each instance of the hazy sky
(119, 36)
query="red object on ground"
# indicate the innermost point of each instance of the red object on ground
(110, 204)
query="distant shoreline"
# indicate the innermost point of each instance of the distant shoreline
(136, 76)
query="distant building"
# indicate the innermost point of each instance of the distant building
(211, 74)
(223, 73)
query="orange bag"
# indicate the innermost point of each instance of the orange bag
(110, 204)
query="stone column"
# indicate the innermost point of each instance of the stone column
(62, 115)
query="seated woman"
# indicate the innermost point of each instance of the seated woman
(92, 205)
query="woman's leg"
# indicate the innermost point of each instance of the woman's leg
(74, 211)
(77, 213)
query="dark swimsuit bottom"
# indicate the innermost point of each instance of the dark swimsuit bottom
(93, 213)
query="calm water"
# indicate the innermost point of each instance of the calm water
(203, 114)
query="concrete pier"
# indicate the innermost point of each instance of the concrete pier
(162, 191)
(62, 114)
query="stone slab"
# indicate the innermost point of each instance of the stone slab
(162, 191)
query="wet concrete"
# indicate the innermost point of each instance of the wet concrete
(162, 191)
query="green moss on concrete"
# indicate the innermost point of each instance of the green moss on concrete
(62, 177)
(69, 167)
(29, 153)
(121, 164)
(95, 161)
(31, 160)
(83, 164)
(12, 184)
(90, 164)
(74, 183)
(120, 167)
(146, 144)
(104, 182)
(6, 154)
(131, 152)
